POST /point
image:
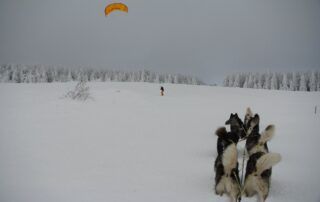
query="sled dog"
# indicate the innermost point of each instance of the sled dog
(258, 174)
(227, 179)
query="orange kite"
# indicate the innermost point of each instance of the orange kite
(115, 6)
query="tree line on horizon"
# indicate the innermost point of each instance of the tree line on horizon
(18, 73)
(293, 81)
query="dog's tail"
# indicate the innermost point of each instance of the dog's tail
(221, 131)
(267, 134)
(230, 158)
(249, 112)
(267, 161)
(248, 115)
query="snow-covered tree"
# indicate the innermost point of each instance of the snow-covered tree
(49, 73)
(245, 84)
(256, 81)
(295, 81)
(313, 82)
(274, 82)
(261, 81)
(303, 83)
(250, 83)
(285, 82)
(16, 75)
(237, 81)
(176, 79)
(157, 79)
(267, 84)
(226, 81)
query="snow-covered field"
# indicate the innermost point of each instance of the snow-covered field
(130, 144)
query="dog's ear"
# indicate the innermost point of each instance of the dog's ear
(221, 131)
(228, 121)
(255, 120)
(239, 120)
(257, 117)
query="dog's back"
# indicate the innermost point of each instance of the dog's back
(258, 142)
(225, 139)
(258, 173)
(227, 173)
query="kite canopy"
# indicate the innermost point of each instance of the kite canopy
(115, 6)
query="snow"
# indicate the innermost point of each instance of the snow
(131, 144)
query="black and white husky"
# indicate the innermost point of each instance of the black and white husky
(255, 141)
(227, 179)
(259, 165)
(258, 174)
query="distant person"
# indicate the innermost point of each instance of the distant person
(161, 91)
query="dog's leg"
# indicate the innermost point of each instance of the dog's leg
(262, 189)
(219, 188)
(261, 197)
(233, 199)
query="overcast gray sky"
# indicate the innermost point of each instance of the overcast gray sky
(206, 38)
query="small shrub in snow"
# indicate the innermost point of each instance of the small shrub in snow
(80, 92)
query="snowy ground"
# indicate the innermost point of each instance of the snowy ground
(130, 144)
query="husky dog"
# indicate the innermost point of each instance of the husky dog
(225, 139)
(259, 165)
(258, 174)
(226, 167)
(255, 141)
(236, 125)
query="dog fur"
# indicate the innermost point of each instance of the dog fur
(258, 142)
(225, 139)
(258, 174)
(259, 165)
(248, 116)
(227, 173)
(236, 125)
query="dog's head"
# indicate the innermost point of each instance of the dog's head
(234, 120)
(253, 125)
